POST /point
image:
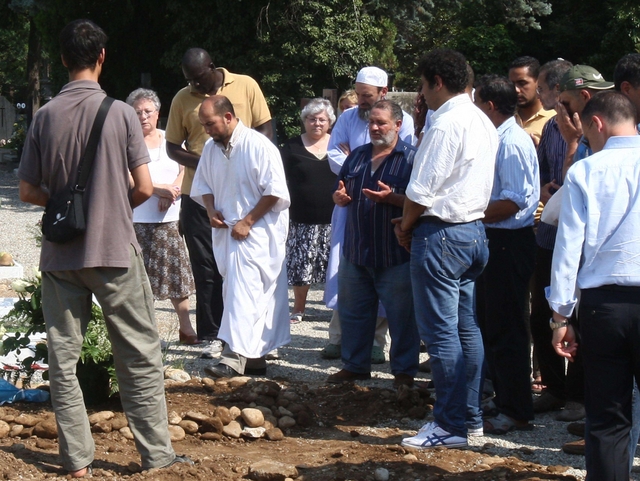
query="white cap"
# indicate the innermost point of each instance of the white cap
(372, 76)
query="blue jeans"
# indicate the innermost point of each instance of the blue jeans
(445, 261)
(359, 290)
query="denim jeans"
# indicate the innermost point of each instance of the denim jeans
(445, 261)
(359, 290)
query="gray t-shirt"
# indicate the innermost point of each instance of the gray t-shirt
(55, 142)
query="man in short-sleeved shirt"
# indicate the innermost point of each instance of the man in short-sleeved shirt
(184, 127)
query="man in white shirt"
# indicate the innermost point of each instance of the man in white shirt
(597, 251)
(447, 195)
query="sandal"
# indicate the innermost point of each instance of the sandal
(502, 424)
(297, 317)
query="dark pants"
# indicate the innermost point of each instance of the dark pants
(196, 228)
(610, 334)
(504, 285)
(569, 386)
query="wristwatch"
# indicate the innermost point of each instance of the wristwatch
(557, 325)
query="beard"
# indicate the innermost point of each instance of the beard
(364, 113)
(385, 140)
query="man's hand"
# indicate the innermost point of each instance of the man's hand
(240, 231)
(340, 196)
(216, 219)
(545, 191)
(570, 127)
(403, 236)
(564, 342)
(378, 195)
(164, 204)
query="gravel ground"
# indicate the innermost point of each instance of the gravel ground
(299, 361)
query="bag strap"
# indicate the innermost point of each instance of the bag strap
(86, 162)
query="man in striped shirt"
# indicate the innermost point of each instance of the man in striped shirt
(374, 267)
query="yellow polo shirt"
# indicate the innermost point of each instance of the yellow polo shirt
(183, 124)
(536, 123)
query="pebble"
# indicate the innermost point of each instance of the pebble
(253, 417)
(27, 420)
(232, 430)
(224, 414)
(101, 416)
(196, 416)
(235, 412)
(267, 470)
(176, 375)
(286, 422)
(381, 474)
(174, 418)
(239, 381)
(46, 444)
(254, 433)
(211, 436)
(190, 427)
(5, 429)
(274, 434)
(16, 429)
(176, 433)
(126, 433)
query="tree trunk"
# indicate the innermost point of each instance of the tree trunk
(34, 56)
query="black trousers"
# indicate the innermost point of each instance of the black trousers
(569, 386)
(196, 228)
(504, 286)
(610, 335)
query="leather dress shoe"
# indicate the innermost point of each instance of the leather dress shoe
(574, 447)
(348, 376)
(402, 379)
(577, 429)
(222, 370)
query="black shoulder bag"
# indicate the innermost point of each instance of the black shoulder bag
(64, 217)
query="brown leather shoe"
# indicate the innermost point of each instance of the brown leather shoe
(348, 376)
(402, 379)
(577, 429)
(574, 447)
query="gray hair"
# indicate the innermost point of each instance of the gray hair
(144, 94)
(316, 106)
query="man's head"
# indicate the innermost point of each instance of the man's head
(198, 70)
(626, 78)
(444, 75)
(523, 72)
(578, 85)
(496, 96)
(218, 118)
(82, 45)
(549, 78)
(371, 86)
(385, 121)
(606, 115)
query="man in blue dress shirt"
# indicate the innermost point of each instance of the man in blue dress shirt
(597, 251)
(504, 284)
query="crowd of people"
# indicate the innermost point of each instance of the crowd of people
(507, 214)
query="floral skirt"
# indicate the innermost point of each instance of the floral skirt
(166, 260)
(307, 253)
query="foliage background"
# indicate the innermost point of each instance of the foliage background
(296, 48)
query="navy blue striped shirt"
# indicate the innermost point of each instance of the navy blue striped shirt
(369, 239)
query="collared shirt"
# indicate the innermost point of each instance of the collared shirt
(598, 239)
(350, 129)
(516, 178)
(536, 123)
(552, 151)
(454, 166)
(369, 238)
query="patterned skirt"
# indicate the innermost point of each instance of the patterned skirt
(307, 253)
(166, 260)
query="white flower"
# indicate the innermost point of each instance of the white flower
(37, 273)
(20, 285)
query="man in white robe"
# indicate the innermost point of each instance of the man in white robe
(240, 181)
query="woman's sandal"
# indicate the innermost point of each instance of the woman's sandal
(502, 424)
(297, 317)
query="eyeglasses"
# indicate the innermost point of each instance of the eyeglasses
(315, 120)
(145, 113)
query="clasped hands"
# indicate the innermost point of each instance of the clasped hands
(240, 231)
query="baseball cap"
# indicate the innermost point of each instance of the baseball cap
(583, 77)
(372, 76)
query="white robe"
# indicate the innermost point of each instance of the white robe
(256, 304)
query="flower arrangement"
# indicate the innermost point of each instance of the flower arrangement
(19, 136)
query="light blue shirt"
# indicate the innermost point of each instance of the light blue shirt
(517, 177)
(598, 240)
(352, 130)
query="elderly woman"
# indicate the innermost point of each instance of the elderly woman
(156, 220)
(311, 184)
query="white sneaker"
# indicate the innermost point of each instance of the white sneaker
(475, 432)
(432, 436)
(212, 350)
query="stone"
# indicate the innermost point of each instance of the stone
(119, 422)
(46, 444)
(102, 427)
(134, 467)
(271, 419)
(492, 460)
(268, 425)
(174, 418)
(267, 470)
(196, 416)
(224, 414)
(282, 401)
(290, 395)
(5, 429)
(304, 419)
(265, 410)
(238, 381)
(47, 429)
(171, 383)
(209, 384)
(274, 434)
(253, 433)
(176, 433)
(16, 429)
(126, 433)
(15, 447)
(27, 420)
(8, 418)
(27, 432)
(211, 425)
(101, 416)
(235, 412)
(295, 408)
(381, 474)
(286, 422)
(410, 457)
(190, 427)
(211, 436)
(253, 417)
(232, 430)
(285, 412)
(177, 375)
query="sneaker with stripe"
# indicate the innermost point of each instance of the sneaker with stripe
(433, 436)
